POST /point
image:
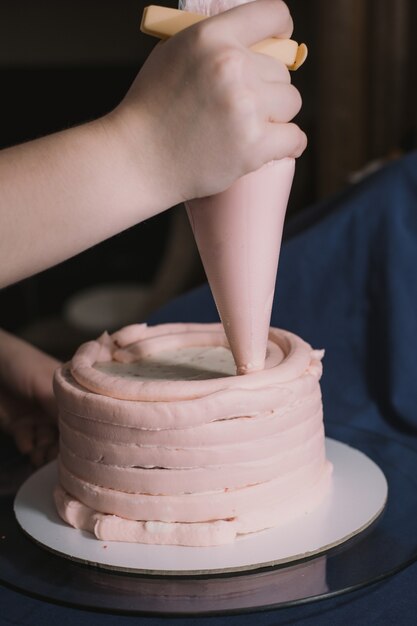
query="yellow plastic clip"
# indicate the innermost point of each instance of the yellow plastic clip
(163, 23)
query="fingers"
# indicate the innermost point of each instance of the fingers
(23, 432)
(40, 456)
(35, 436)
(45, 446)
(45, 440)
(255, 21)
(24, 368)
(45, 433)
(270, 69)
(284, 140)
(282, 102)
(49, 406)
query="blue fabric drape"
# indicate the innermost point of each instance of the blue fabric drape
(347, 282)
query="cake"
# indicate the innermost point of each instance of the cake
(160, 441)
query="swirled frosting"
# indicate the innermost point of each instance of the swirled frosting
(162, 443)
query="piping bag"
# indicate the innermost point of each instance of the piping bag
(238, 232)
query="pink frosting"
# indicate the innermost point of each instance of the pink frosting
(289, 352)
(214, 532)
(186, 461)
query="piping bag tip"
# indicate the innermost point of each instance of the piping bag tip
(249, 368)
(238, 234)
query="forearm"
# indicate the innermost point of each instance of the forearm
(64, 193)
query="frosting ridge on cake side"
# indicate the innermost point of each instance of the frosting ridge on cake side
(162, 443)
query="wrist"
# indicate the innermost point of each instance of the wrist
(139, 156)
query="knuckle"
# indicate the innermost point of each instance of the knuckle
(296, 100)
(252, 135)
(250, 160)
(227, 65)
(243, 113)
(285, 15)
(283, 73)
(285, 10)
(202, 35)
(299, 139)
(242, 104)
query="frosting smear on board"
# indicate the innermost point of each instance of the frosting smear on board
(238, 234)
(161, 444)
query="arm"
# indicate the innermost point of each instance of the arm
(203, 111)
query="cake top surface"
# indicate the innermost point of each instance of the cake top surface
(173, 362)
(189, 363)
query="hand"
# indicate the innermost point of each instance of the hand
(204, 110)
(27, 406)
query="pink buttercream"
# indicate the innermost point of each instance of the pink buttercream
(284, 350)
(199, 463)
(104, 450)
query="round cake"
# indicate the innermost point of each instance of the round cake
(160, 441)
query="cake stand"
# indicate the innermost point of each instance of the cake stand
(380, 550)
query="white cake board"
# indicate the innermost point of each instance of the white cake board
(358, 495)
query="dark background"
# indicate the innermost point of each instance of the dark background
(66, 62)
